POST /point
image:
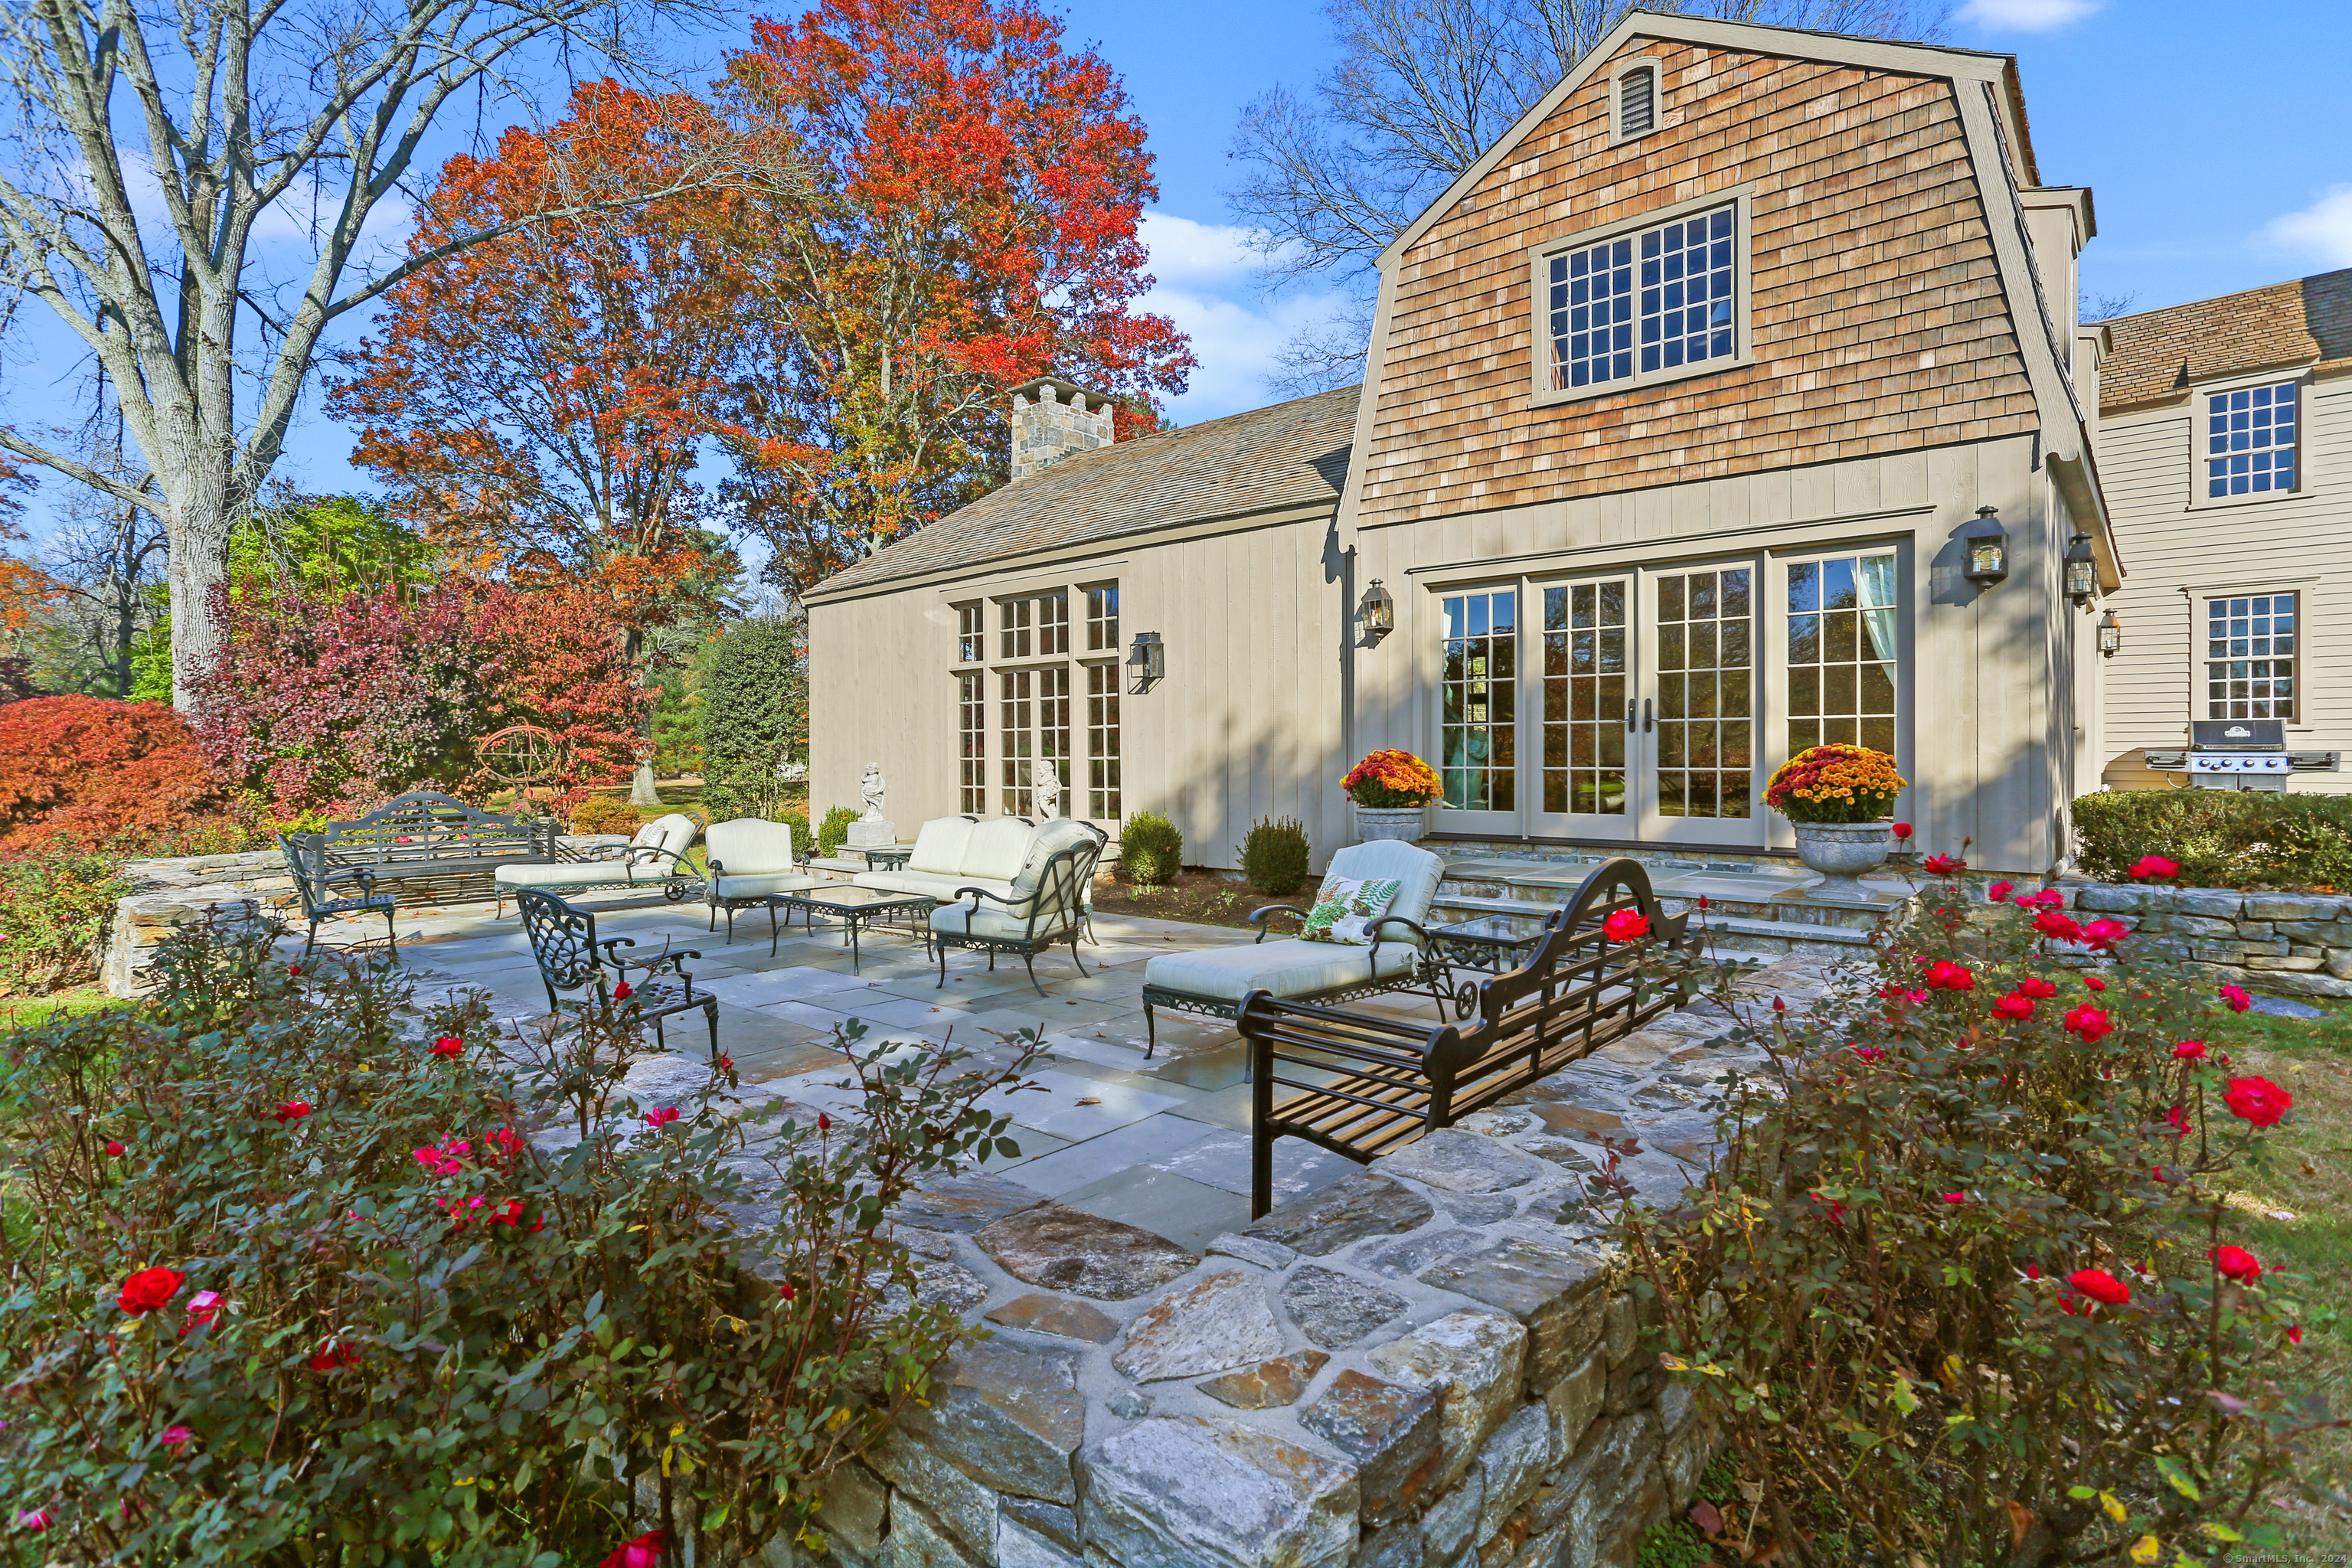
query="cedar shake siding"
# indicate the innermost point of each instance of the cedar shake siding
(1868, 252)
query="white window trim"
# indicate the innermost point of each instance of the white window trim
(1739, 197)
(1618, 136)
(2302, 380)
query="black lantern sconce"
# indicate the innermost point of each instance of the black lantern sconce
(1987, 547)
(2081, 570)
(1378, 612)
(2111, 635)
(1147, 662)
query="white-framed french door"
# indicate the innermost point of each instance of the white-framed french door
(1697, 746)
(1584, 737)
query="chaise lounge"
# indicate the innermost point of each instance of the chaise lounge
(654, 858)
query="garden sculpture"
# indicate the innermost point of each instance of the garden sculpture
(1045, 789)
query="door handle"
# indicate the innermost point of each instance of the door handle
(1629, 713)
(1648, 716)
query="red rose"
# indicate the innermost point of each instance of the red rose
(1943, 865)
(2099, 1286)
(2237, 998)
(148, 1288)
(1901, 830)
(2000, 891)
(1945, 975)
(2104, 933)
(725, 1063)
(824, 1122)
(2257, 1099)
(2294, 1333)
(662, 1118)
(622, 992)
(1870, 1053)
(2236, 1263)
(2094, 983)
(644, 1551)
(2154, 866)
(2013, 1006)
(785, 1291)
(2091, 1023)
(292, 1111)
(113, 1150)
(2032, 986)
(293, 970)
(2177, 1119)
(2052, 922)
(1624, 925)
(2189, 1050)
(448, 1046)
(1956, 1197)
(333, 1356)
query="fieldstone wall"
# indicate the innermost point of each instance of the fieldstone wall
(2298, 944)
(1417, 1366)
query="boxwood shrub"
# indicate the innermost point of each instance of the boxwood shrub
(2220, 838)
(1150, 849)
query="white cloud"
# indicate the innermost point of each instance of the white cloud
(1209, 285)
(1189, 254)
(2026, 15)
(2323, 230)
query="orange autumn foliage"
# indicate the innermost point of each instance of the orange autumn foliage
(86, 771)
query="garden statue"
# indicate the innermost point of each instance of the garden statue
(1045, 789)
(873, 830)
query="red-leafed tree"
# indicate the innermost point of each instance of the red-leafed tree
(536, 401)
(332, 705)
(970, 222)
(81, 770)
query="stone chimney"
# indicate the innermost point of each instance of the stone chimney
(1053, 419)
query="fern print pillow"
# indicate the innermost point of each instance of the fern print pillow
(1346, 907)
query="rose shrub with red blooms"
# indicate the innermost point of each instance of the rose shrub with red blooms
(2054, 922)
(1943, 865)
(363, 1368)
(2188, 1050)
(2155, 866)
(644, 1551)
(1945, 975)
(1625, 925)
(2258, 1101)
(2237, 1263)
(1998, 892)
(2236, 998)
(1987, 1252)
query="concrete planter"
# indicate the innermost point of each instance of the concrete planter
(1841, 851)
(1376, 822)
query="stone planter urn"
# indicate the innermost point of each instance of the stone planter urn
(1842, 852)
(1375, 822)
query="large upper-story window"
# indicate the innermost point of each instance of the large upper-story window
(2250, 656)
(2250, 440)
(1649, 304)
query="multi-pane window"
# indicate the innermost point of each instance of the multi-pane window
(1607, 327)
(1053, 624)
(1040, 622)
(1013, 617)
(2249, 441)
(1102, 618)
(1102, 740)
(971, 743)
(1054, 728)
(1637, 101)
(1706, 693)
(1842, 660)
(1478, 698)
(2250, 656)
(1016, 715)
(1585, 695)
(972, 633)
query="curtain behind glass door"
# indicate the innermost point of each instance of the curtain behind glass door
(1478, 701)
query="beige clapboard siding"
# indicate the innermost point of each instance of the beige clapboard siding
(2304, 542)
(1988, 737)
(1246, 725)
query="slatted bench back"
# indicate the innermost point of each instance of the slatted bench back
(425, 827)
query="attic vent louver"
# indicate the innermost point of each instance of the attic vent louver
(1637, 102)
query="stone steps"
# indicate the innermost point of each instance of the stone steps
(1749, 910)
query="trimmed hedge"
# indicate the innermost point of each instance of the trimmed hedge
(2220, 838)
(1150, 849)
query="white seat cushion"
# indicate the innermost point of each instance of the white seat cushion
(764, 883)
(577, 874)
(673, 832)
(1416, 869)
(750, 845)
(961, 920)
(939, 845)
(1290, 968)
(999, 847)
(930, 884)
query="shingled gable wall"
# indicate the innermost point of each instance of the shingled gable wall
(1871, 248)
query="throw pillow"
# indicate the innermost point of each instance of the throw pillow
(1346, 907)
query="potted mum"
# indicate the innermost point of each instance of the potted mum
(1838, 798)
(1391, 791)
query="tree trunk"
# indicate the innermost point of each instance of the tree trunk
(641, 788)
(201, 517)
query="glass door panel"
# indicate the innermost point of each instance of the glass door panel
(1585, 785)
(1477, 692)
(1699, 750)
(1843, 658)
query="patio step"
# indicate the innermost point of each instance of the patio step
(1750, 909)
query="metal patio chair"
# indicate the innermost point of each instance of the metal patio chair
(570, 957)
(315, 879)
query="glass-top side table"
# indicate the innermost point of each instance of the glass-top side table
(1485, 944)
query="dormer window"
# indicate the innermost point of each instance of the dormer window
(1637, 102)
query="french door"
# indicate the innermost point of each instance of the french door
(1641, 722)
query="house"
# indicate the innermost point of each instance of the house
(2225, 441)
(1732, 402)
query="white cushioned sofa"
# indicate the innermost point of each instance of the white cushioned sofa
(990, 853)
(1212, 980)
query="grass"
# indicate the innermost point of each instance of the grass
(2311, 1178)
(27, 1012)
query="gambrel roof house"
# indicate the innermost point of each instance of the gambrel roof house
(2225, 439)
(1681, 405)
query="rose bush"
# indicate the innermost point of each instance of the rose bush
(1963, 1287)
(455, 1310)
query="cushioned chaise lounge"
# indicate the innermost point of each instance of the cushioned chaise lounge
(1212, 980)
(654, 858)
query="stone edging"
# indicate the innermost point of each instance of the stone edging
(2295, 943)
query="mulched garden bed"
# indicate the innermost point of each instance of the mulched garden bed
(1203, 896)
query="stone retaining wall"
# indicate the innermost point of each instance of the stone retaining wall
(1417, 1366)
(2295, 943)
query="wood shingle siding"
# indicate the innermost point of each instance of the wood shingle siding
(1868, 250)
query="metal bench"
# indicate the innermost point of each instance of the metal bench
(1378, 1083)
(452, 848)
(306, 858)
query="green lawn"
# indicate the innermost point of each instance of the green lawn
(25, 1012)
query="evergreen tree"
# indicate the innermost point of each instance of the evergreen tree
(754, 712)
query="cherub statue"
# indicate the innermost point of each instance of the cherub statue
(872, 790)
(1045, 789)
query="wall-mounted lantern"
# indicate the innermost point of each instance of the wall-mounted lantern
(2081, 570)
(1378, 612)
(1987, 547)
(1147, 661)
(2111, 635)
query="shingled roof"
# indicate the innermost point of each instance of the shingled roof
(1291, 453)
(2159, 354)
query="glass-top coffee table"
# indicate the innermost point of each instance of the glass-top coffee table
(1487, 944)
(856, 907)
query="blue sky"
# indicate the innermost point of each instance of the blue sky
(2217, 141)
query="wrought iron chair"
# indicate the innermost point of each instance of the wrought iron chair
(1047, 909)
(564, 944)
(315, 879)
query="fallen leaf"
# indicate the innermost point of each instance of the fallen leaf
(2020, 1521)
(1091, 1099)
(1710, 1522)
